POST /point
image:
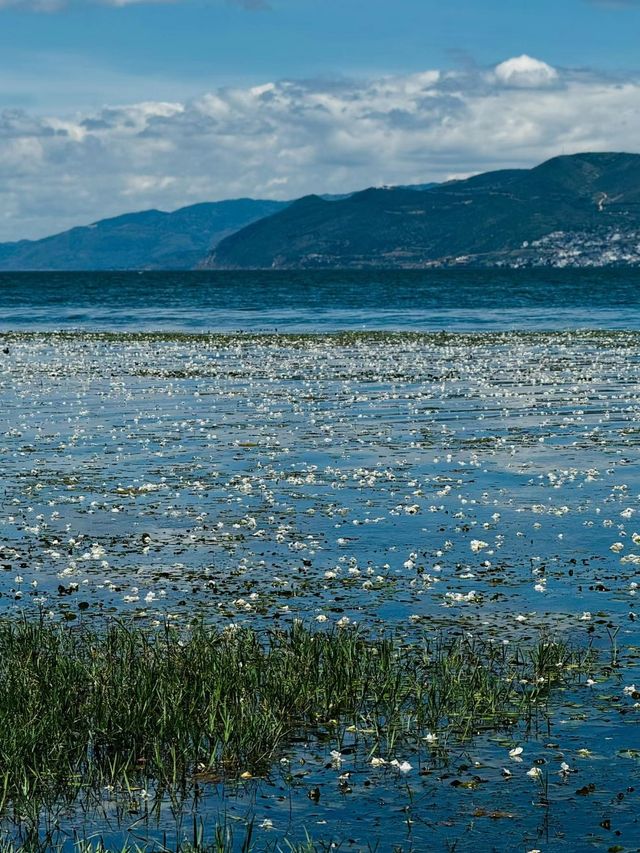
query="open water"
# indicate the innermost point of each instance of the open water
(311, 301)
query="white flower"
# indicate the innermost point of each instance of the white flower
(430, 737)
(378, 762)
(403, 767)
(535, 773)
(477, 545)
(616, 547)
(459, 597)
(630, 690)
(321, 618)
(336, 757)
(515, 753)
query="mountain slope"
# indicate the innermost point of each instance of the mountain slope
(150, 239)
(497, 217)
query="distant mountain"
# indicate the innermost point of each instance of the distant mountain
(577, 210)
(151, 239)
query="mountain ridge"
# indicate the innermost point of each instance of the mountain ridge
(147, 239)
(494, 218)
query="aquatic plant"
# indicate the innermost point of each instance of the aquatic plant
(80, 708)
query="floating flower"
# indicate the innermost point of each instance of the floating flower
(402, 767)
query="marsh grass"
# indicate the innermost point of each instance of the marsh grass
(124, 706)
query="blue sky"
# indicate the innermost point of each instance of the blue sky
(116, 105)
(75, 57)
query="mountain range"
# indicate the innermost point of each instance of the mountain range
(151, 239)
(574, 210)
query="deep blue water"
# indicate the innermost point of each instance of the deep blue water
(304, 301)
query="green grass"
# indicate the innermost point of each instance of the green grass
(80, 709)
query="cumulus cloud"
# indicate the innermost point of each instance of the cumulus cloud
(525, 72)
(288, 138)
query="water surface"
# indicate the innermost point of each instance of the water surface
(323, 300)
(472, 466)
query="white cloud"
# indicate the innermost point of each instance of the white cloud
(289, 138)
(525, 72)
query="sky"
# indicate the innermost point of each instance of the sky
(108, 106)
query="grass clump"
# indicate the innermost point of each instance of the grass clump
(82, 708)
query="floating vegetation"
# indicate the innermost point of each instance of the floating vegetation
(154, 715)
(80, 709)
(453, 517)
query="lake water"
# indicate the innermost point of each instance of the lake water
(443, 452)
(306, 301)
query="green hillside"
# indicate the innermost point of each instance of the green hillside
(482, 220)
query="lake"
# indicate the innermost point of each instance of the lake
(397, 453)
(322, 300)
